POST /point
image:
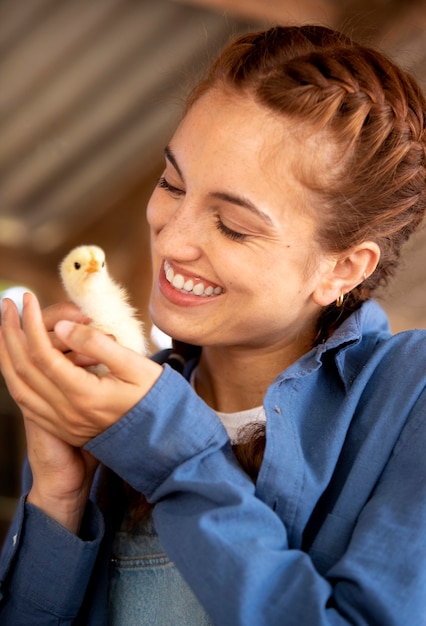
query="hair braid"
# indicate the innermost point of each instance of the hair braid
(373, 114)
(370, 111)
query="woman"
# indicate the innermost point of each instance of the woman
(288, 477)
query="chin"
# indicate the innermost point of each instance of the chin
(181, 326)
(165, 324)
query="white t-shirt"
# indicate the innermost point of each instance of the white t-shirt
(233, 422)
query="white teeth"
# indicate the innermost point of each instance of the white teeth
(198, 289)
(178, 281)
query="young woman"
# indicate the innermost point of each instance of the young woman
(285, 462)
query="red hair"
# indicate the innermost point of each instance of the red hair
(372, 113)
(368, 109)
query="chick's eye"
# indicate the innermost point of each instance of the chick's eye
(77, 265)
(103, 263)
(163, 183)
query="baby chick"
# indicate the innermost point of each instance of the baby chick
(88, 284)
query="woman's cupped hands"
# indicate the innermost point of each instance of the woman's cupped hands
(43, 359)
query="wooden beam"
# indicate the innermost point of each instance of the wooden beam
(277, 11)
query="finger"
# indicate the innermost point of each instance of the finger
(63, 399)
(90, 404)
(138, 372)
(12, 335)
(56, 342)
(56, 366)
(89, 345)
(34, 325)
(29, 402)
(28, 360)
(10, 313)
(80, 359)
(99, 348)
(63, 311)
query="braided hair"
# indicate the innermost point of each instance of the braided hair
(373, 187)
(373, 115)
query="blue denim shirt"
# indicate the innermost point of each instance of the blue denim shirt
(333, 533)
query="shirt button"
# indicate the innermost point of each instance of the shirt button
(277, 410)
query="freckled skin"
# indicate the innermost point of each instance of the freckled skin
(267, 295)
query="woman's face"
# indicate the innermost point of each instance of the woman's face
(235, 261)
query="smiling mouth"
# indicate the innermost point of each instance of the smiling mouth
(192, 286)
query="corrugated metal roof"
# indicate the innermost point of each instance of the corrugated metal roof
(89, 94)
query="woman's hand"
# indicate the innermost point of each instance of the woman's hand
(62, 398)
(62, 476)
(64, 405)
(65, 311)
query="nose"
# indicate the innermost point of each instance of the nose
(176, 231)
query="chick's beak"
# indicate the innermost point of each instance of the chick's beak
(92, 267)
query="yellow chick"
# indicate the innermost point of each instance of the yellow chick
(88, 284)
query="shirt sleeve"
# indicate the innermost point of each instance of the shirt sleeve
(233, 549)
(45, 569)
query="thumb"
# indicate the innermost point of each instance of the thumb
(98, 348)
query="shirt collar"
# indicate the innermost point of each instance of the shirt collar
(349, 347)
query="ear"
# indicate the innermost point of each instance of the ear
(346, 271)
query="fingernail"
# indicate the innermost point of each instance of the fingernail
(64, 327)
(4, 305)
(3, 309)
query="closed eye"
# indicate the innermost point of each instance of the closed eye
(228, 232)
(163, 183)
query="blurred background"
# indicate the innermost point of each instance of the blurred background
(90, 93)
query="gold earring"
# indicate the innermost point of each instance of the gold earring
(339, 301)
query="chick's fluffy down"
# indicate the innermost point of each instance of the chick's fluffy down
(88, 284)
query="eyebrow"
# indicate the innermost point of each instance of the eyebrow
(223, 195)
(168, 153)
(242, 202)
